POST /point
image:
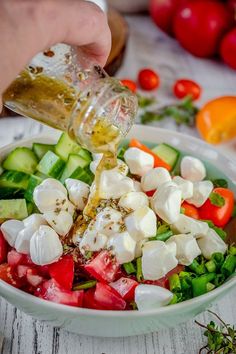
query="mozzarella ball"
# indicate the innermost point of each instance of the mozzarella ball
(166, 202)
(185, 225)
(150, 297)
(154, 178)
(114, 184)
(186, 248)
(78, 192)
(10, 230)
(137, 186)
(133, 200)
(201, 192)
(45, 246)
(211, 243)
(92, 240)
(142, 223)
(34, 221)
(61, 222)
(139, 162)
(22, 243)
(185, 186)
(108, 221)
(49, 199)
(123, 246)
(192, 169)
(52, 183)
(157, 260)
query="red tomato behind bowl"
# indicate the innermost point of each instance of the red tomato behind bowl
(228, 49)
(200, 25)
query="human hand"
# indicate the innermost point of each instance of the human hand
(27, 27)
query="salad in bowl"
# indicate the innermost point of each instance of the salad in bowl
(157, 238)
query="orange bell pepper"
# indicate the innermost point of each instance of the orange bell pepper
(216, 121)
(158, 162)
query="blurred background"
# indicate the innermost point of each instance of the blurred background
(177, 55)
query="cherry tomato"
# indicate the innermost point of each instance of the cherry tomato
(103, 267)
(108, 298)
(148, 79)
(190, 210)
(63, 271)
(200, 25)
(130, 84)
(163, 12)
(220, 216)
(3, 248)
(52, 291)
(228, 49)
(185, 87)
(125, 287)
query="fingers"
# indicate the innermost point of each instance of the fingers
(79, 23)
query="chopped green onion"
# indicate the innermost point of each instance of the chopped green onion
(232, 250)
(121, 152)
(129, 268)
(197, 268)
(218, 258)
(219, 279)
(229, 265)
(85, 285)
(174, 300)
(139, 273)
(186, 283)
(88, 254)
(133, 305)
(174, 281)
(162, 237)
(163, 228)
(218, 230)
(199, 285)
(210, 287)
(210, 266)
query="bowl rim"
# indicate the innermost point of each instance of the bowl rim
(76, 311)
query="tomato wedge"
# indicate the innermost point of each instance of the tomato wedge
(8, 275)
(15, 258)
(125, 287)
(150, 193)
(103, 267)
(50, 290)
(219, 215)
(109, 299)
(190, 210)
(63, 271)
(3, 248)
(158, 162)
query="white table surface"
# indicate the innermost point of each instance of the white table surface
(20, 333)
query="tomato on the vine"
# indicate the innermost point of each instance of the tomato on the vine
(148, 79)
(130, 84)
(185, 87)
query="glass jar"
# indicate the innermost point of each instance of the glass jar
(60, 89)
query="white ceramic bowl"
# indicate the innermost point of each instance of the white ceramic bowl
(112, 323)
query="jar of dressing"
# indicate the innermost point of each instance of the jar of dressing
(61, 89)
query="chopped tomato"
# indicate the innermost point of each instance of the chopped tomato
(106, 297)
(52, 291)
(3, 248)
(219, 215)
(185, 87)
(103, 267)
(150, 193)
(33, 278)
(190, 210)
(158, 162)
(125, 287)
(21, 270)
(148, 79)
(8, 275)
(89, 301)
(163, 282)
(63, 271)
(130, 84)
(15, 258)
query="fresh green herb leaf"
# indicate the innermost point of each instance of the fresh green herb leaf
(144, 101)
(220, 182)
(216, 199)
(85, 285)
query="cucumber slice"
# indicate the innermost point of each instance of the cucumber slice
(41, 149)
(74, 161)
(51, 165)
(84, 175)
(11, 193)
(86, 155)
(167, 153)
(21, 159)
(13, 209)
(14, 179)
(66, 146)
(34, 181)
